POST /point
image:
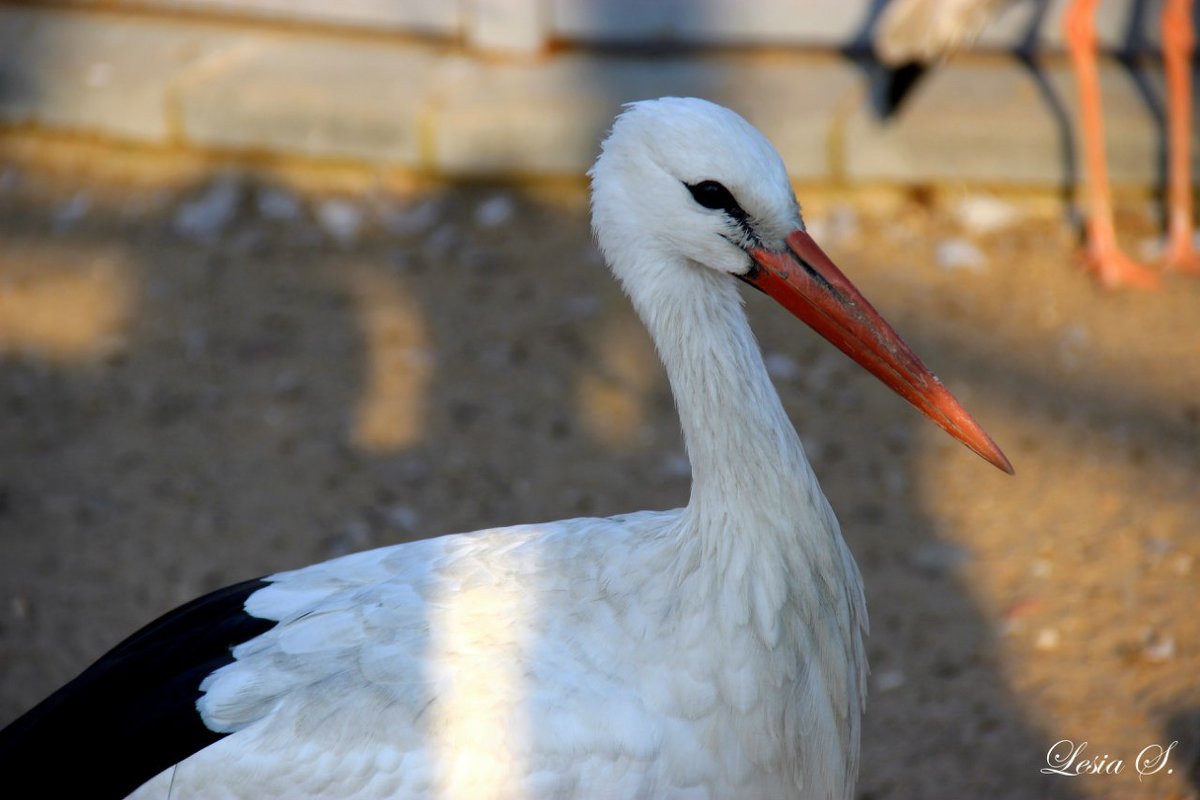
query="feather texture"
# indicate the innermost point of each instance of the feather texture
(706, 652)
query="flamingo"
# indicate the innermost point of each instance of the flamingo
(714, 650)
(921, 31)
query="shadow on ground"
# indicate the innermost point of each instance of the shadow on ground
(190, 406)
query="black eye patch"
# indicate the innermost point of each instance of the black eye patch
(711, 194)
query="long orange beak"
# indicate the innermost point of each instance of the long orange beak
(806, 282)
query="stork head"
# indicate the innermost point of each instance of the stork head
(685, 177)
(683, 183)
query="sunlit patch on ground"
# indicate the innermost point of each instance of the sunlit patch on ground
(613, 389)
(63, 304)
(393, 406)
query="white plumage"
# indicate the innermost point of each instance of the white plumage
(585, 658)
(713, 651)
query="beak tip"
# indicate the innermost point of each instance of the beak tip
(992, 453)
(806, 282)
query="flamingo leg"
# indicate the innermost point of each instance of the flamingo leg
(1179, 42)
(1112, 266)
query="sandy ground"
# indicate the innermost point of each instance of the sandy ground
(190, 400)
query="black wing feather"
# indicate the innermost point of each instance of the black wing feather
(897, 84)
(133, 713)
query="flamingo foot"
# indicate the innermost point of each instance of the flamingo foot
(1115, 270)
(1182, 257)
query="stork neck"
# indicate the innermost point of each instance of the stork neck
(746, 457)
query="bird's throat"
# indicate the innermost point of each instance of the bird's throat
(747, 460)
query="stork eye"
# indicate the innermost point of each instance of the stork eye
(711, 194)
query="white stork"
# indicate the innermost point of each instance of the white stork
(712, 651)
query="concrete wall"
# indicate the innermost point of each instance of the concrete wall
(309, 92)
(530, 25)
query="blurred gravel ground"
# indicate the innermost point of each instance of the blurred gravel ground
(204, 383)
